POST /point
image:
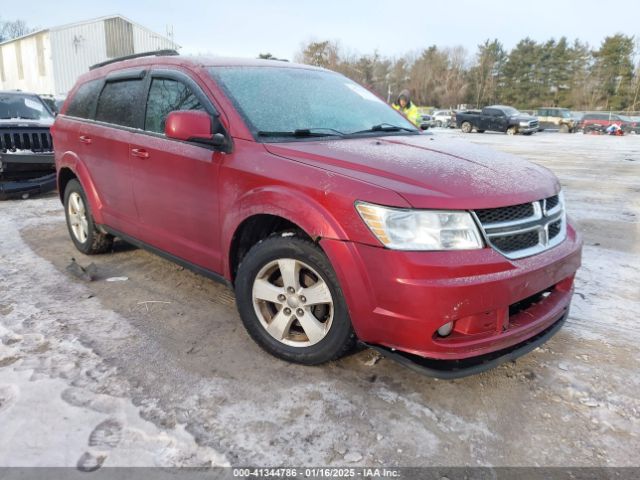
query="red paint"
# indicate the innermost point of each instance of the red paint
(189, 200)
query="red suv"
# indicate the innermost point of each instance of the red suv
(598, 122)
(331, 215)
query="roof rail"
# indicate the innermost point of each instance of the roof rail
(156, 53)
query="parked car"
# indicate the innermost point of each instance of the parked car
(334, 222)
(498, 118)
(599, 122)
(26, 150)
(426, 122)
(556, 118)
(443, 118)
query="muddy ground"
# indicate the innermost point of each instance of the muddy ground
(157, 369)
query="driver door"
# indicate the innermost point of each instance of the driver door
(175, 182)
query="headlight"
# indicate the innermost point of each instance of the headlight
(401, 229)
(524, 124)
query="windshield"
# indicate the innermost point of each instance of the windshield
(277, 99)
(624, 118)
(23, 107)
(565, 113)
(510, 111)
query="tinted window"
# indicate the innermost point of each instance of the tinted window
(83, 102)
(166, 96)
(119, 101)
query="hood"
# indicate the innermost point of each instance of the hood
(427, 170)
(521, 117)
(23, 122)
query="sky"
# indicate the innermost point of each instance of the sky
(246, 28)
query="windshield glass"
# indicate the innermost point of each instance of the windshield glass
(624, 118)
(510, 111)
(22, 107)
(565, 113)
(277, 99)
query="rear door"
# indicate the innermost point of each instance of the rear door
(106, 141)
(176, 182)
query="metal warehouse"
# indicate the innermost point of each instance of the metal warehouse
(49, 61)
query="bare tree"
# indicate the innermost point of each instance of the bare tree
(13, 29)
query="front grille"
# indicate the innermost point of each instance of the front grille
(555, 228)
(524, 304)
(525, 229)
(36, 140)
(551, 202)
(533, 124)
(505, 214)
(520, 241)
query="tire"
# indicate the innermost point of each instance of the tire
(466, 127)
(564, 129)
(82, 229)
(275, 320)
(511, 131)
(438, 124)
(480, 131)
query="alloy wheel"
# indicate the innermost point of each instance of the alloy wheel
(293, 302)
(78, 217)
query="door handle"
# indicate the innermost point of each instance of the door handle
(139, 152)
(85, 139)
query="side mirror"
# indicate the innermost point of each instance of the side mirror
(192, 126)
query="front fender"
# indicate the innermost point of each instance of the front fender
(71, 161)
(292, 205)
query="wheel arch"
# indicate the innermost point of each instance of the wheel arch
(271, 210)
(71, 167)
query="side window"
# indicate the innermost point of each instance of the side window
(490, 112)
(118, 102)
(83, 103)
(165, 96)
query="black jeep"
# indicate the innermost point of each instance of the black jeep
(26, 150)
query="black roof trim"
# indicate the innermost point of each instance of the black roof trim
(156, 53)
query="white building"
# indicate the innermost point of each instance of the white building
(50, 60)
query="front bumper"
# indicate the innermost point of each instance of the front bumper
(527, 129)
(26, 174)
(398, 300)
(450, 369)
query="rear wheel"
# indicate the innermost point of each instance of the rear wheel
(466, 127)
(82, 229)
(511, 131)
(291, 303)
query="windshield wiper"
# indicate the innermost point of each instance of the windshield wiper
(303, 132)
(386, 127)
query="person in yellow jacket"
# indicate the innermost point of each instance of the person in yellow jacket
(405, 106)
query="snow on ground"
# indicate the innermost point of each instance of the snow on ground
(92, 375)
(50, 412)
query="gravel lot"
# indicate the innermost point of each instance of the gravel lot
(157, 369)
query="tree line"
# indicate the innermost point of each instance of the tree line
(532, 74)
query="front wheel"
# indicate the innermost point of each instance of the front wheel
(466, 127)
(511, 131)
(290, 301)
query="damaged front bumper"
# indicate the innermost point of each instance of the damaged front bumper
(23, 174)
